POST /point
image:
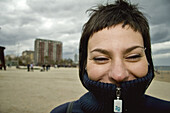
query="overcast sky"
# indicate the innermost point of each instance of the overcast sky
(22, 21)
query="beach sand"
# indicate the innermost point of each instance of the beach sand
(40, 92)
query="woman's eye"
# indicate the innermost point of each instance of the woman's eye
(133, 57)
(100, 59)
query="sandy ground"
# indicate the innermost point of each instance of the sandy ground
(40, 92)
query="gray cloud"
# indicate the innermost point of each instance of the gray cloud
(160, 33)
(158, 16)
(61, 9)
(161, 61)
(162, 51)
(159, 12)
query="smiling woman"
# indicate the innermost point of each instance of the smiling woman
(116, 55)
(115, 63)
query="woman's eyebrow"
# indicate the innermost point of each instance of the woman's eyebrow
(103, 51)
(132, 48)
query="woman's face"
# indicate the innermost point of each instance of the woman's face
(115, 55)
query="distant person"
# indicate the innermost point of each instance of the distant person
(9, 65)
(115, 63)
(32, 67)
(47, 67)
(43, 66)
(28, 67)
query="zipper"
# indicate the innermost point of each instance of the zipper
(118, 101)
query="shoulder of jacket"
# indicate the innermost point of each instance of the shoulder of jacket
(60, 109)
(156, 104)
(63, 108)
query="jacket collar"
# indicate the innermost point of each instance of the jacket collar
(101, 95)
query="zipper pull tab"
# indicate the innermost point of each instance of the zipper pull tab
(118, 101)
(118, 93)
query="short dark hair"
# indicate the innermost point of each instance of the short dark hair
(105, 16)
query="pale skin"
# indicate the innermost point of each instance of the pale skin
(115, 55)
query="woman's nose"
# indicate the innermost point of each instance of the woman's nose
(118, 72)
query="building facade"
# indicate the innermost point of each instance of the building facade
(47, 51)
(76, 59)
(11, 60)
(27, 57)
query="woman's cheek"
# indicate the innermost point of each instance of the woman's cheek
(95, 72)
(140, 69)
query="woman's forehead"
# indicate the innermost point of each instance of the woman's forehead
(116, 37)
